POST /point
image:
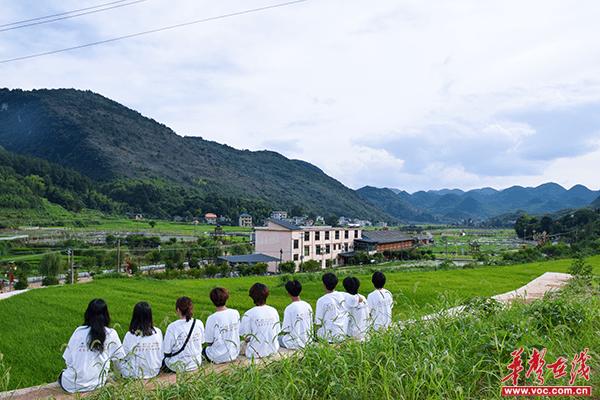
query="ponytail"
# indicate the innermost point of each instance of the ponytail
(97, 319)
(185, 307)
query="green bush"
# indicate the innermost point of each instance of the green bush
(49, 281)
(50, 267)
(287, 267)
(310, 266)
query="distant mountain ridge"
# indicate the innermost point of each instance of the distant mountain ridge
(450, 205)
(143, 163)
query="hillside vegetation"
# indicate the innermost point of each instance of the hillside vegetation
(151, 169)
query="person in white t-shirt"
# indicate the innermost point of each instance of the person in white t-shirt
(297, 319)
(331, 315)
(358, 310)
(222, 330)
(183, 339)
(380, 302)
(260, 325)
(142, 345)
(90, 350)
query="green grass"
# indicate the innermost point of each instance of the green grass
(36, 325)
(459, 358)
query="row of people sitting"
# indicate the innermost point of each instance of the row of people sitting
(144, 352)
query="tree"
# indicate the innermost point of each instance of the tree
(287, 267)
(310, 266)
(152, 224)
(331, 220)
(50, 267)
(581, 270)
(260, 268)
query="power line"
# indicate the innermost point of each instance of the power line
(165, 28)
(62, 13)
(44, 20)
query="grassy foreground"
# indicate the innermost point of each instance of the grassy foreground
(35, 326)
(462, 358)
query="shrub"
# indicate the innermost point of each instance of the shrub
(50, 267)
(310, 266)
(287, 267)
(21, 280)
(49, 281)
(260, 268)
(581, 270)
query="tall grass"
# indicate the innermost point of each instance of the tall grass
(448, 358)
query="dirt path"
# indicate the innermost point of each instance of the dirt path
(537, 288)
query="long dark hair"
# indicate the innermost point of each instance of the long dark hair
(141, 320)
(97, 319)
(185, 306)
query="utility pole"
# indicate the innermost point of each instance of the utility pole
(118, 255)
(70, 254)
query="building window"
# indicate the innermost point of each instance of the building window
(337, 235)
(345, 234)
(356, 234)
(306, 251)
(317, 235)
(296, 243)
(318, 249)
(345, 246)
(326, 235)
(307, 236)
(295, 257)
(327, 249)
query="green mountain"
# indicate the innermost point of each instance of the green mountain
(453, 205)
(138, 161)
(393, 204)
(596, 203)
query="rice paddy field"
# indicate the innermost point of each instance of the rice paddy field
(35, 326)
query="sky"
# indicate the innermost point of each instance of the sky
(402, 94)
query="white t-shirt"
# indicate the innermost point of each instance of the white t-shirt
(143, 355)
(191, 357)
(88, 369)
(332, 315)
(261, 325)
(297, 325)
(358, 317)
(381, 303)
(223, 331)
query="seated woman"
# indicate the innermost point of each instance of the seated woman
(182, 345)
(222, 330)
(90, 351)
(142, 345)
(260, 325)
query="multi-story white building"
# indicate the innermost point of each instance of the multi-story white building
(290, 242)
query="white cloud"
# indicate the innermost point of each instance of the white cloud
(467, 89)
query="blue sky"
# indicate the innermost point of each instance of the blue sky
(407, 94)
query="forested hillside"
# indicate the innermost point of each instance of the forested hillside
(138, 161)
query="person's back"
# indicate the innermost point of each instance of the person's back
(297, 325)
(143, 355)
(381, 303)
(358, 309)
(190, 358)
(142, 344)
(297, 319)
(260, 325)
(332, 316)
(223, 331)
(90, 351)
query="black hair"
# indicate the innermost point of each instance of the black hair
(141, 320)
(378, 280)
(259, 293)
(351, 284)
(330, 280)
(293, 287)
(219, 296)
(96, 317)
(185, 307)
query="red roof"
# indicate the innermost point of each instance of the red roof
(210, 215)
